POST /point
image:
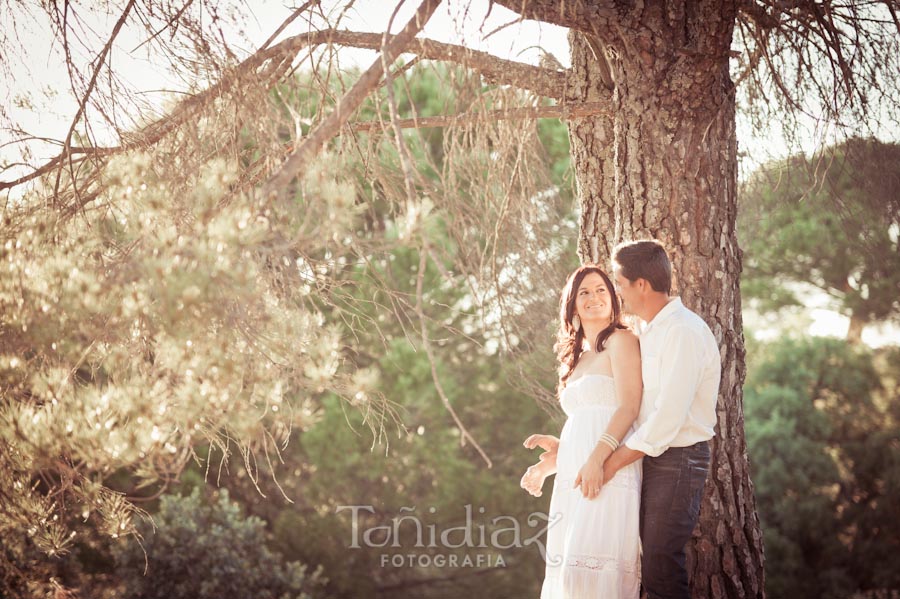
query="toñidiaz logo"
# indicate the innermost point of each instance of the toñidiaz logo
(476, 544)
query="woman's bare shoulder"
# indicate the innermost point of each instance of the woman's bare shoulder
(623, 340)
(623, 336)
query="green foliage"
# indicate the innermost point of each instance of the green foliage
(196, 550)
(422, 466)
(476, 226)
(822, 432)
(181, 317)
(420, 462)
(154, 322)
(832, 221)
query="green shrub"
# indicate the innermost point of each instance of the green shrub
(199, 551)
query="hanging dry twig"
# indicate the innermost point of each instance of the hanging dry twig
(426, 344)
(564, 111)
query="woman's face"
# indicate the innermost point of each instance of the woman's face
(593, 302)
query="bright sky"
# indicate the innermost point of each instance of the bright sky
(469, 23)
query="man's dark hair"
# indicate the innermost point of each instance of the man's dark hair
(645, 260)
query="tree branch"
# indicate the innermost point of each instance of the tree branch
(101, 60)
(493, 69)
(306, 6)
(578, 15)
(329, 127)
(760, 16)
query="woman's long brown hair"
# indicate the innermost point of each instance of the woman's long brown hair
(569, 342)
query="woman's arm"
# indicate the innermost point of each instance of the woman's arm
(545, 442)
(534, 477)
(625, 358)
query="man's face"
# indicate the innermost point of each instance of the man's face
(628, 292)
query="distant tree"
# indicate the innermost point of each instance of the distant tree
(823, 430)
(196, 549)
(832, 221)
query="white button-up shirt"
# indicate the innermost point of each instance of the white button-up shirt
(681, 369)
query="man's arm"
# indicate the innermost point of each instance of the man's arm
(620, 458)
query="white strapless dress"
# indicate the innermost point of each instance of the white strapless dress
(593, 549)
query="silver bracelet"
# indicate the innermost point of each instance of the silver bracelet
(610, 441)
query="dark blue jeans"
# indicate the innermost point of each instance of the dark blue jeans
(670, 506)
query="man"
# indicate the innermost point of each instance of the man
(681, 370)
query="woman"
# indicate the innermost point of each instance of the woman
(593, 549)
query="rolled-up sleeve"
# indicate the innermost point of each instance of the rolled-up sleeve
(681, 364)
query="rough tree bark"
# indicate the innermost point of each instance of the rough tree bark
(665, 166)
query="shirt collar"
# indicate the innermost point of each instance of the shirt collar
(673, 306)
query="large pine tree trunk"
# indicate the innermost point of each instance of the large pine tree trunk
(855, 329)
(665, 166)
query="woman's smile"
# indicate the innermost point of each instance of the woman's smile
(593, 300)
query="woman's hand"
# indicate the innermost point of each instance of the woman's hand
(590, 477)
(545, 442)
(533, 479)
